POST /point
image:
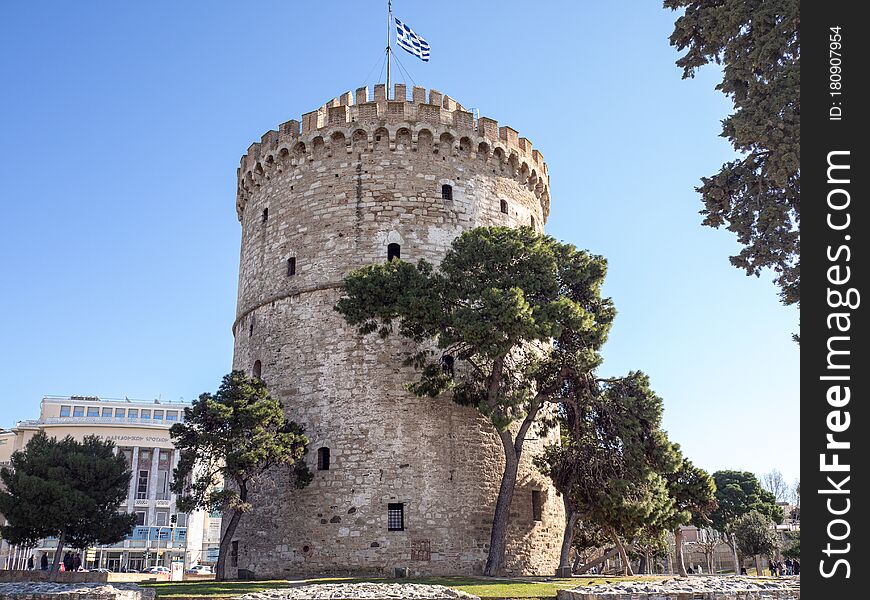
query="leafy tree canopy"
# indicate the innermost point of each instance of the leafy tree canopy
(693, 493)
(67, 489)
(738, 493)
(227, 441)
(503, 325)
(755, 534)
(613, 464)
(757, 196)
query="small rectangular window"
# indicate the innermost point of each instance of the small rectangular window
(291, 266)
(93, 411)
(158, 415)
(265, 215)
(119, 413)
(140, 518)
(537, 505)
(395, 516)
(145, 414)
(323, 459)
(161, 517)
(164, 456)
(447, 192)
(78, 411)
(64, 411)
(504, 206)
(106, 412)
(133, 413)
(171, 415)
(393, 251)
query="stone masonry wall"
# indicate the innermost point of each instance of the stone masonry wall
(333, 198)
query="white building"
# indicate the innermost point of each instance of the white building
(140, 430)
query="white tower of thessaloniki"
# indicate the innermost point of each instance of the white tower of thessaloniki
(399, 481)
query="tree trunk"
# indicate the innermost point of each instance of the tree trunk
(227, 539)
(568, 534)
(593, 563)
(679, 559)
(58, 552)
(623, 555)
(758, 569)
(708, 554)
(732, 543)
(501, 518)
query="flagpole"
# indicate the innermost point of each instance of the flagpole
(389, 24)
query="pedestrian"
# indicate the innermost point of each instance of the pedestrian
(789, 566)
(77, 562)
(43, 562)
(67, 562)
(743, 570)
(771, 564)
(30, 563)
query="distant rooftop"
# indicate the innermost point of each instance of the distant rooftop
(60, 399)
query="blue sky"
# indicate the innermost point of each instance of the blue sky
(122, 125)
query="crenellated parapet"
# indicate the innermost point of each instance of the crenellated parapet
(431, 123)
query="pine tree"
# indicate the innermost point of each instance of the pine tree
(67, 489)
(228, 441)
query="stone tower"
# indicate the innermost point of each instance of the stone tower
(399, 481)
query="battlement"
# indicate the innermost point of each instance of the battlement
(356, 118)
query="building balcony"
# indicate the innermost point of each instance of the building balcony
(141, 502)
(159, 503)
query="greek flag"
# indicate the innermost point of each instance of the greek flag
(410, 41)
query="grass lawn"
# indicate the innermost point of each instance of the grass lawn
(479, 586)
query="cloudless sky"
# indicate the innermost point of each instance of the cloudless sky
(122, 125)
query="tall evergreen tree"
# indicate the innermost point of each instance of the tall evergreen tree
(228, 440)
(693, 494)
(67, 489)
(755, 535)
(510, 314)
(757, 195)
(737, 494)
(612, 466)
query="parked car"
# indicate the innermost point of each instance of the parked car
(200, 570)
(156, 571)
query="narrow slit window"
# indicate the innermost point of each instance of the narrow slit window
(504, 207)
(323, 459)
(291, 266)
(394, 251)
(258, 369)
(447, 365)
(537, 505)
(532, 221)
(395, 516)
(447, 192)
(265, 215)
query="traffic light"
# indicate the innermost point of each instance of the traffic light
(173, 520)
